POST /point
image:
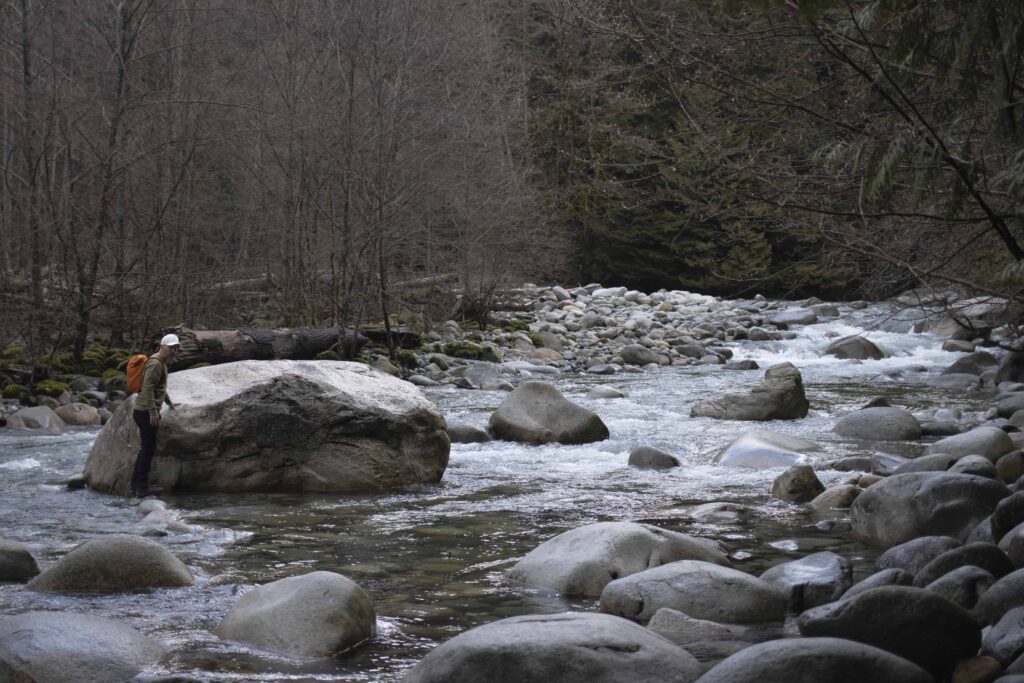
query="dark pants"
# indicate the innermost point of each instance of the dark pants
(147, 437)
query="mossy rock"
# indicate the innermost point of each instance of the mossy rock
(535, 338)
(474, 337)
(63, 362)
(330, 354)
(111, 374)
(13, 350)
(408, 359)
(463, 349)
(51, 388)
(515, 325)
(15, 391)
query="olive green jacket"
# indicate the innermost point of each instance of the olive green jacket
(154, 387)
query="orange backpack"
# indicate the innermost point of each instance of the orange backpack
(134, 369)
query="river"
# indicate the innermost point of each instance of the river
(433, 557)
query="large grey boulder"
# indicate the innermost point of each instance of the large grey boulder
(963, 586)
(313, 615)
(281, 426)
(582, 561)
(761, 449)
(113, 564)
(795, 316)
(63, 647)
(1012, 543)
(854, 346)
(16, 562)
(912, 623)
(813, 580)
(984, 555)
(536, 412)
(886, 577)
(1001, 597)
(906, 506)
(990, 442)
(798, 484)
(1005, 640)
(648, 457)
(36, 417)
(914, 555)
(460, 432)
(1011, 368)
(79, 415)
(698, 589)
(709, 641)
(779, 397)
(976, 363)
(1010, 403)
(815, 660)
(635, 354)
(574, 647)
(880, 424)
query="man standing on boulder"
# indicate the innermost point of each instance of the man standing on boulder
(151, 398)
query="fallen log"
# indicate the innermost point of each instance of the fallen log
(227, 346)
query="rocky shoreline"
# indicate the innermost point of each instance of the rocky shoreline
(945, 604)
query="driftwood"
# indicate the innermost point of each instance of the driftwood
(226, 346)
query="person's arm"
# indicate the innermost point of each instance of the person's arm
(167, 400)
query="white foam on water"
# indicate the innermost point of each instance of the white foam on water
(22, 464)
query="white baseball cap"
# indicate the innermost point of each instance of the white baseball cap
(170, 340)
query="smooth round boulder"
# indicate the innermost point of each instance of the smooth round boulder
(937, 462)
(913, 555)
(780, 396)
(39, 418)
(583, 560)
(761, 450)
(879, 424)
(605, 391)
(975, 363)
(1001, 597)
(280, 425)
(975, 464)
(815, 660)
(812, 580)
(961, 381)
(912, 623)
(113, 564)
(63, 647)
(648, 457)
(854, 346)
(635, 354)
(838, 497)
(698, 589)
(16, 562)
(886, 577)
(984, 555)
(1007, 515)
(795, 316)
(79, 415)
(460, 432)
(573, 647)
(1012, 543)
(990, 442)
(1004, 642)
(963, 586)
(319, 614)
(1008, 404)
(536, 412)
(906, 506)
(798, 484)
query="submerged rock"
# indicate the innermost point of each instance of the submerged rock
(814, 580)
(761, 449)
(37, 417)
(319, 614)
(16, 562)
(582, 561)
(854, 346)
(798, 484)
(649, 457)
(281, 426)
(574, 647)
(779, 397)
(536, 412)
(881, 424)
(62, 647)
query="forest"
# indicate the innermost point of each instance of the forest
(345, 162)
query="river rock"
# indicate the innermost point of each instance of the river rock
(975, 363)
(990, 442)
(959, 382)
(536, 412)
(1001, 597)
(984, 555)
(583, 560)
(975, 464)
(635, 354)
(651, 458)
(573, 647)
(760, 449)
(1005, 640)
(37, 417)
(238, 428)
(882, 424)
(779, 397)
(963, 586)
(912, 623)
(795, 316)
(319, 614)
(113, 564)
(699, 589)
(812, 580)
(815, 660)
(798, 484)
(837, 497)
(1011, 368)
(1012, 543)
(604, 391)
(1010, 467)
(79, 415)
(912, 556)
(1008, 404)
(854, 346)
(886, 577)
(63, 647)
(906, 506)
(16, 562)
(937, 462)
(1008, 514)
(459, 432)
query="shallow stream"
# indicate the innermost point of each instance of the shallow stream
(433, 558)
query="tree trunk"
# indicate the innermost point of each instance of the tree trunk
(227, 346)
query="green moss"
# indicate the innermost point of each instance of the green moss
(407, 359)
(13, 350)
(535, 338)
(330, 354)
(474, 337)
(15, 391)
(463, 349)
(515, 325)
(51, 388)
(111, 374)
